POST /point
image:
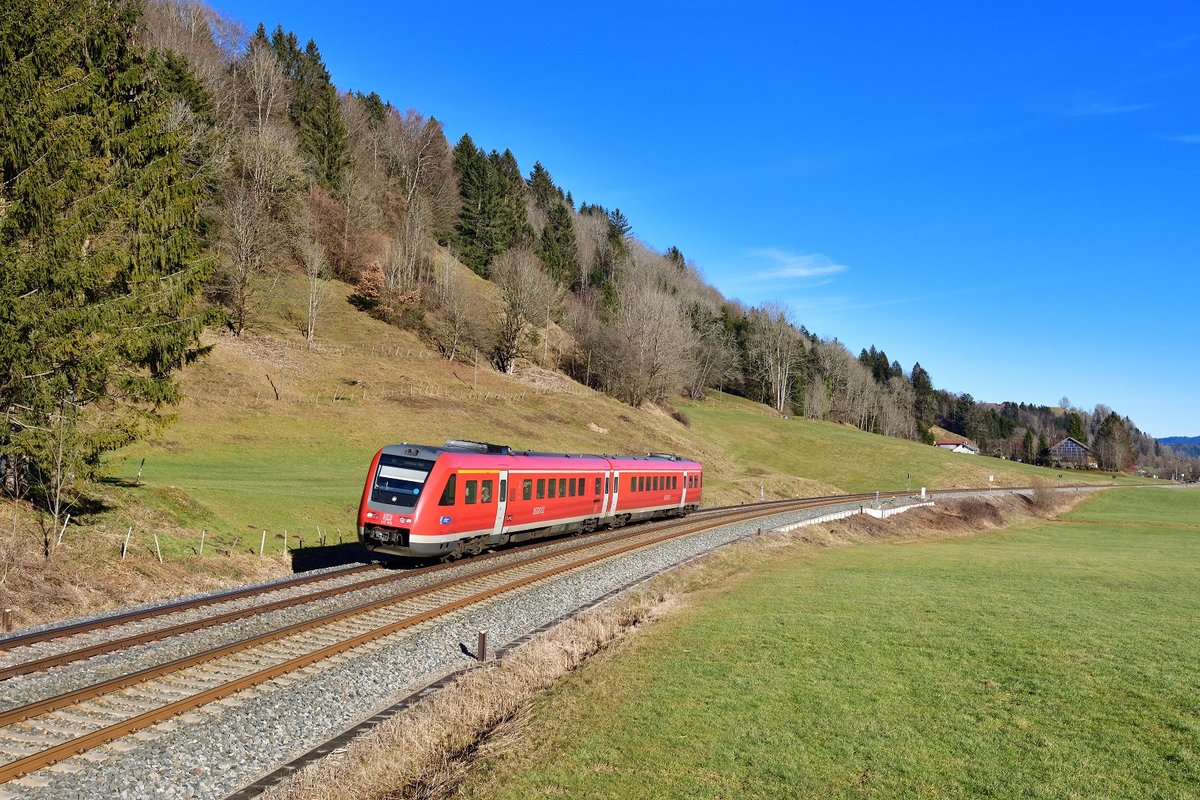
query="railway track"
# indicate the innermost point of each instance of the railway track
(76, 720)
(39, 733)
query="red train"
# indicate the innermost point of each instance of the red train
(456, 500)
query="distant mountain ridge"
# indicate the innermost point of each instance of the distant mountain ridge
(1183, 445)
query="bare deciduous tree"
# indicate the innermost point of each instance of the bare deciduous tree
(527, 294)
(652, 335)
(316, 273)
(774, 348)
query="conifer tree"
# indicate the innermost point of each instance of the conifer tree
(558, 249)
(324, 139)
(478, 233)
(545, 193)
(1075, 427)
(514, 219)
(924, 401)
(100, 262)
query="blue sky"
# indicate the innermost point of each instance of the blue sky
(1009, 194)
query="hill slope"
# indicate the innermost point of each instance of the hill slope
(276, 437)
(1184, 445)
(240, 460)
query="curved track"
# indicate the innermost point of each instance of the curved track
(68, 722)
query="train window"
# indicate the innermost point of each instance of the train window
(674, 481)
(657, 483)
(571, 486)
(607, 480)
(485, 492)
(503, 489)
(641, 483)
(469, 492)
(448, 492)
(541, 488)
(527, 489)
(597, 487)
(562, 487)
(582, 486)
(553, 483)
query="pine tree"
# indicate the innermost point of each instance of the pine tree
(318, 114)
(515, 230)
(1030, 456)
(315, 109)
(1075, 427)
(479, 233)
(545, 193)
(558, 249)
(924, 401)
(100, 263)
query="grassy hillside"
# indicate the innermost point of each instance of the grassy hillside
(238, 460)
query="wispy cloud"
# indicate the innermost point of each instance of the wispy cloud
(1187, 138)
(785, 265)
(1099, 106)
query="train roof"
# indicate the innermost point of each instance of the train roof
(469, 448)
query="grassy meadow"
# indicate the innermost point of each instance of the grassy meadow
(1058, 660)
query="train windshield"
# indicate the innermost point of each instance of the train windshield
(400, 480)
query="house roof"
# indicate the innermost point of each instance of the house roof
(1071, 439)
(955, 443)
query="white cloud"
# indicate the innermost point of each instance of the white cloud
(1187, 138)
(794, 265)
(1100, 106)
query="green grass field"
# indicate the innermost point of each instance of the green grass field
(1057, 661)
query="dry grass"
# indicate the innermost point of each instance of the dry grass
(84, 575)
(426, 752)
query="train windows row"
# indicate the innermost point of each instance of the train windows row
(480, 491)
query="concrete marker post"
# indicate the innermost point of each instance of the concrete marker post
(8, 620)
(481, 646)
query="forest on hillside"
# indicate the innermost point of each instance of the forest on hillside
(163, 165)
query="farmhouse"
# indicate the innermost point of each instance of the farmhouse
(958, 446)
(1071, 452)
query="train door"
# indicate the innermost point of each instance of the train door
(683, 494)
(616, 487)
(501, 504)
